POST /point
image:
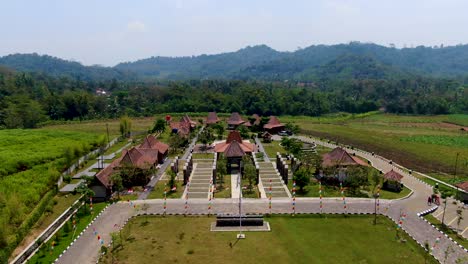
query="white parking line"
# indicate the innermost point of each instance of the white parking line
(453, 220)
(439, 213)
(464, 230)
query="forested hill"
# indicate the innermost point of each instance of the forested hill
(348, 61)
(315, 63)
(57, 67)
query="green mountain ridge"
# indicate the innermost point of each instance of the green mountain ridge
(261, 62)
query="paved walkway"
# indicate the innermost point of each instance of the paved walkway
(262, 149)
(154, 180)
(85, 249)
(192, 144)
(235, 187)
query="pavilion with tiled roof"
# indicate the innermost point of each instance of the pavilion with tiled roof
(392, 180)
(257, 119)
(234, 148)
(463, 191)
(212, 118)
(274, 125)
(339, 157)
(235, 120)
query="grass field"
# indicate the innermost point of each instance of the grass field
(158, 191)
(424, 143)
(299, 239)
(30, 165)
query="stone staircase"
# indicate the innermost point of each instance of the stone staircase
(200, 179)
(268, 174)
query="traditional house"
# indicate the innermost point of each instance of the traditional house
(138, 161)
(151, 143)
(212, 118)
(102, 183)
(234, 121)
(267, 137)
(274, 125)
(183, 127)
(392, 181)
(340, 158)
(234, 149)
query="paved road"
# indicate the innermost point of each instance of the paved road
(85, 249)
(192, 144)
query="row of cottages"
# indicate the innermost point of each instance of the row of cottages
(235, 120)
(341, 160)
(183, 127)
(234, 149)
(144, 157)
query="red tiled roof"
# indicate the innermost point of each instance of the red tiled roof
(463, 185)
(186, 119)
(212, 118)
(235, 119)
(234, 135)
(142, 159)
(273, 123)
(150, 142)
(339, 156)
(393, 175)
(234, 149)
(104, 176)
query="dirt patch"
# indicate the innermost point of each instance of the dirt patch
(439, 125)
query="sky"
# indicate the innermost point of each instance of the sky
(107, 32)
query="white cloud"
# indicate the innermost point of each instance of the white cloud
(136, 26)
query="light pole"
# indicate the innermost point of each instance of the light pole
(239, 185)
(376, 196)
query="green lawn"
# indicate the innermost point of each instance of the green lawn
(246, 193)
(272, 148)
(225, 191)
(298, 239)
(203, 156)
(158, 191)
(62, 238)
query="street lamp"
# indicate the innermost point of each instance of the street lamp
(239, 185)
(376, 197)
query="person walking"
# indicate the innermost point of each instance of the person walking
(429, 200)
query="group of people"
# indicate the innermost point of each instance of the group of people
(433, 199)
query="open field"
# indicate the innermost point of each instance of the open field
(424, 143)
(31, 162)
(299, 239)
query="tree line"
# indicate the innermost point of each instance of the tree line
(28, 99)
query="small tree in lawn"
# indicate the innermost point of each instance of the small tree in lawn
(125, 126)
(159, 126)
(221, 170)
(219, 130)
(206, 137)
(117, 183)
(172, 179)
(250, 173)
(302, 178)
(460, 216)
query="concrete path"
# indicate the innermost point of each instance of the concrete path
(192, 144)
(154, 180)
(235, 187)
(262, 149)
